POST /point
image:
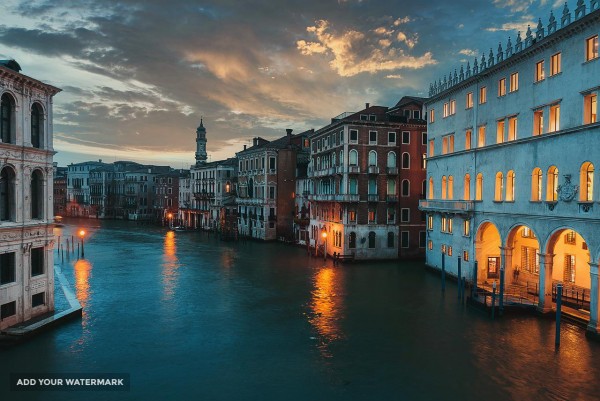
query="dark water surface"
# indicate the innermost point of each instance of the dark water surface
(190, 317)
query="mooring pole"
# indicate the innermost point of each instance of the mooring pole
(559, 288)
(493, 298)
(501, 300)
(474, 287)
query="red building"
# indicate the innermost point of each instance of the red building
(368, 175)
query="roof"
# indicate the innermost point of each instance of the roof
(12, 64)
(410, 99)
(13, 68)
(279, 143)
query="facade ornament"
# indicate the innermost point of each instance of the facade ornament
(528, 37)
(491, 58)
(580, 10)
(551, 24)
(461, 76)
(499, 53)
(594, 5)
(567, 191)
(475, 67)
(483, 63)
(509, 49)
(519, 45)
(566, 16)
(539, 34)
(468, 69)
(455, 81)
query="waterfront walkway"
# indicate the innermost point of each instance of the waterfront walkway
(66, 306)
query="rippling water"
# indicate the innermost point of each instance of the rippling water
(190, 317)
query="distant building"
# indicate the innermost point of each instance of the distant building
(368, 176)
(301, 199)
(78, 188)
(60, 190)
(513, 146)
(166, 196)
(267, 186)
(26, 207)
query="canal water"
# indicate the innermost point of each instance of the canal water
(190, 317)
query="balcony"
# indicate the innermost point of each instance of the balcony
(373, 170)
(353, 169)
(204, 195)
(321, 197)
(373, 198)
(392, 198)
(392, 170)
(346, 198)
(452, 206)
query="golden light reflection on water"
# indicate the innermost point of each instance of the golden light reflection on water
(83, 270)
(170, 265)
(326, 307)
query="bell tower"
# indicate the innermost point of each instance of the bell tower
(201, 144)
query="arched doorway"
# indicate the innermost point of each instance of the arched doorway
(569, 262)
(523, 259)
(487, 253)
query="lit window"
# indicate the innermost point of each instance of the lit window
(467, 187)
(479, 187)
(552, 184)
(449, 250)
(482, 95)
(500, 131)
(451, 143)
(450, 187)
(432, 116)
(502, 87)
(554, 124)
(569, 272)
(591, 48)
(430, 190)
(468, 139)
(371, 215)
(514, 81)
(446, 109)
(555, 64)
(466, 228)
(452, 107)
(444, 145)
(430, 245)
(430, 222)
(590, 108)
(510, 186)
(586, 182)
(539, 71)
(444, 225)
(499, 188)
(466, 256)
(536, 185)
(444, 187)
(431, 147)
(450, 225)
(469, 100)
(512, 128)
(538, 122)
(481, 136)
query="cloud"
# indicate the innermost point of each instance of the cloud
(353, 52)
(468, 52)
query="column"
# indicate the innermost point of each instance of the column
(545, 283)
(482, 264)
(594, 299)
(507, 263)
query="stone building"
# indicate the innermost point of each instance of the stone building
(78, 188)
(60, 190)
(368, 175)
(267, 186)
(166, 197)
(26, 207)
(513, 145)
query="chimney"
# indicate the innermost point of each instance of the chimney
(289, 135)
(244, 147)
(367, 105)
(254, 141)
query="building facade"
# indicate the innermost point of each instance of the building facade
(78, 189)
(26, 207)
(60, 190)
(267, 186)
(367, 173)
(511, 156)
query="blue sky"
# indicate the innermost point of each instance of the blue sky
(137, 75)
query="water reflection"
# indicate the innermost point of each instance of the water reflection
(326, 307)
(170, 266)
(83, 270)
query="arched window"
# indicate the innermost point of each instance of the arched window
(479, 187)
(431, 193)
(499, 187)
(444, 187)
(353, 157)
(467, 187)
(406, 187)
(552, 184)
(352, 240)
(391, 159)
(7, 106)
(390, 240)
(372, 239)
(7, 194)
(372, 158)
(536, 184)
(405, 160)
(37, 195)
(450, 187)
(586, 182)
(341, 157)
(391, 186)
(37, 126)
(510, 186)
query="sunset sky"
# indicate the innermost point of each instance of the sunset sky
(137, 75)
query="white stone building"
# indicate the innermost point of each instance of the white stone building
(513, 141)
(26, 207)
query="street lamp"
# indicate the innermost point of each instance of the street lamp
(81, 235)
(324, 235)
(170, 217)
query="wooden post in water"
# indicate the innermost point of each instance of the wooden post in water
(559, 290)
(474, 287)
(501, 295)
(493, 298)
